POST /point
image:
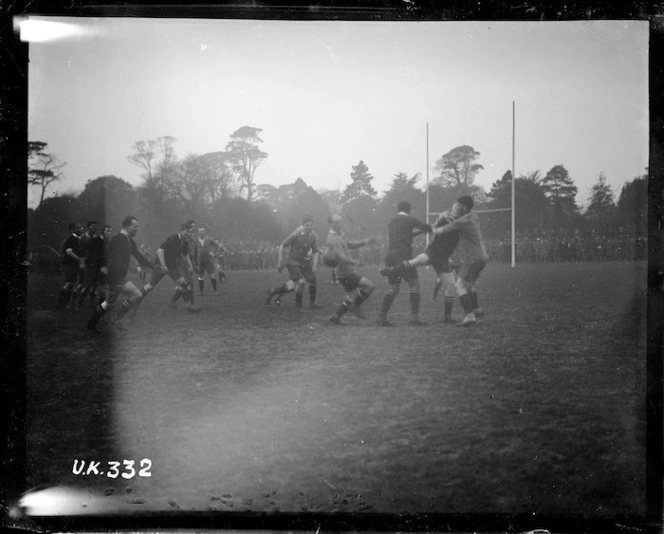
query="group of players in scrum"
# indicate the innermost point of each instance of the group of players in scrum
(109, 258)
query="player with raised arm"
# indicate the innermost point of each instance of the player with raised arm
(401, 230)
(301, 262)
(337, 255)
(437, 255)
(473, 253)
(118, 254)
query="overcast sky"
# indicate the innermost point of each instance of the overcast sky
(329, 94)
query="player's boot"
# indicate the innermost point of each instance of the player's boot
(479, 312)
(468, 320)
(447, 319)
(417, 322)
(384, 322)
(335, 319)
(357, 312)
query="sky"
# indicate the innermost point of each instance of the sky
(328, 94)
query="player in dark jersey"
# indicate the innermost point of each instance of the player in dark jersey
(72, 263)
(358, 288)
(437, 255)
(302, 263)
(94, 261)
(402, 229)
(173, 258)
(79, 287)
(118, 254)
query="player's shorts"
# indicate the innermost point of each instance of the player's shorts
(350, 282)
(206, 264)
(394, 257)
(469, 272)
(93, 276)
(297, 272)
(440, 265)
(70, 270)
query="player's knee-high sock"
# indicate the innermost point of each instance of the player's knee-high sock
(449, 304)
(312, 293)
(190, 295)
(201, 284)
(345, 306)
(214, 284)
(64, 296)
(81, 295)
(363, 295)
(298, 299)
(466, 302)
(176, 295)
(100, 310)
(415, 304)
(388, 299)
(436, 289)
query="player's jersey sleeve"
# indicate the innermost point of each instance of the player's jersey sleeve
(291, 239)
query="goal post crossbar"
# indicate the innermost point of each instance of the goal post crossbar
(475, 211)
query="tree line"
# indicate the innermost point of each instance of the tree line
(219, 190)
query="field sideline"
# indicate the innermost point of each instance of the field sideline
(537, 408)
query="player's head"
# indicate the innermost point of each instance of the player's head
(130, 225)
(107, 231)
(335, 222)
(75, 228)
(463, 205)
(92, 227)
(187, 228)
(307, 223)
(404, 206)
(201, 232)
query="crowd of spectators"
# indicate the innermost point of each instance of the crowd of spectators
(551, 247)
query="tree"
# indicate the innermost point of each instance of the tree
(457, 167)
(49, 221)
(601, 212)
(43, 168)
(561, 192)
(245, 156)
(633, 205)
(531, 204)
(107, 199)
(217, 175)
(402, 188)
(360, 185)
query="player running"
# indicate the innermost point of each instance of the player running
(173, 256)
(337, 255)
(302, 263)
(72, 263)
(120, 249)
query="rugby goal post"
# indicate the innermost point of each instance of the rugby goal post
(513, 218)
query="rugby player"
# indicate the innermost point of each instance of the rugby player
(301, 262)
(118, 254)
(337, 255)
(94, 261)
(473, 253)
(72, 263)
(207, 261)
(437, 255)
(401, 230)
(173, 257)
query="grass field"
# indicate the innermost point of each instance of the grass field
(537, 408)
